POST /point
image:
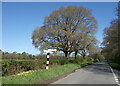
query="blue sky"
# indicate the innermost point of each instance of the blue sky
(20, 19)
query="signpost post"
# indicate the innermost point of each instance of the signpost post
(49, 51)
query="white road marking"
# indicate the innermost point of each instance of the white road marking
(115, 77)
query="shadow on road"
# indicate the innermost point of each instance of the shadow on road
(99, 68)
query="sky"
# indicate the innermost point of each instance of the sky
(19, 19)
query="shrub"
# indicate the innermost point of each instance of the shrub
(97, 56)
(63, 61)
(76, 61)
(10, 67)
(71, 61)
(114, 65)
(83, 64)
(97, 60)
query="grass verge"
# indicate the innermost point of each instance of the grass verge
(34, 77)
(114, 65)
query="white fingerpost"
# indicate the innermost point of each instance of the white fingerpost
(47, 60)
(46, 67)
(49, 51)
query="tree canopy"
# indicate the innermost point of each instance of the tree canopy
(68, 29)
(111, 41)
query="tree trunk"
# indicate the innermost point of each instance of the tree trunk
(66, 53)
(76, 54)
(83, 54)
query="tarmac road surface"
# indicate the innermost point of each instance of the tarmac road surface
(97, 73)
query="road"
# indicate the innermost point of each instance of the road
(97, 73)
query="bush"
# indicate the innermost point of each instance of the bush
(97, 56)
(76, 61)
(63, 61)
(83, 64)
(90, 62)
(10, 67)
(97, 60)
(71, 61)
(114, 65)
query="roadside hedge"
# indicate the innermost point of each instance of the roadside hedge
(10, 67)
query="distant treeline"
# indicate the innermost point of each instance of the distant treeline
(24, 55)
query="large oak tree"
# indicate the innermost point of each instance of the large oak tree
(65, 29)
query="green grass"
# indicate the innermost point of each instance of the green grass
(114, 65)
(39, 75)
(43, 74)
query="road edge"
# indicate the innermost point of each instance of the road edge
(114, 75)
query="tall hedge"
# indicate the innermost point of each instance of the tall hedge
(10, 67)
